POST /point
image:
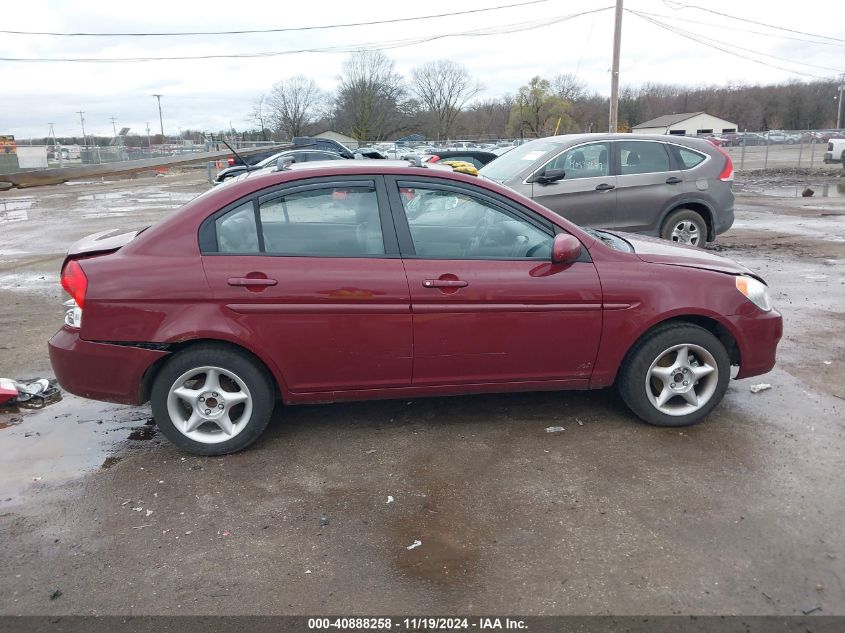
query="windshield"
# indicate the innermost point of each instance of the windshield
(517, 160)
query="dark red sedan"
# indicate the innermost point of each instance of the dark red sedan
(358, 280)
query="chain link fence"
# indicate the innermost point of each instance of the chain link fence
(780, 149)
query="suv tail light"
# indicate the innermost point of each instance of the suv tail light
(727, 173)
(75, 284)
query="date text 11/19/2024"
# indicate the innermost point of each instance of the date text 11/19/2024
(417, 623)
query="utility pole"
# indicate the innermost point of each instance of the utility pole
(57, 149)
(839, 109)
(160, 120)
(614, 73)
(82, 121)
(112, 119)
(149, 140)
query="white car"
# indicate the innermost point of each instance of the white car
(835, 151)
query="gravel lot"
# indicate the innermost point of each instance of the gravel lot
(741, 514)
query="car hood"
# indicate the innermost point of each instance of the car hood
(657, 251)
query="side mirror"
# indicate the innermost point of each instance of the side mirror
(549, 176)
(565, 249)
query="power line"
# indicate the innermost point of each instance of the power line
(741, 30)
(702, 40)
(278, 30)
(343, 48)
(681, 5)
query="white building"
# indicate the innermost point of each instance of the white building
(685, 124)
(350, 142)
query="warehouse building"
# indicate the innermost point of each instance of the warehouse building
(686, 124)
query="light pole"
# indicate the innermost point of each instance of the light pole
(82, 121)
(160, 120)
(613, 123)
(839, 108)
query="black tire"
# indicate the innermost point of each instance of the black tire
(251, 373)
(684, 215)
(632, 376)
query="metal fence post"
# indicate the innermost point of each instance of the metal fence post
(744, 142)
(766, 160)
(812, 152)
(800, 149)
(209, 167)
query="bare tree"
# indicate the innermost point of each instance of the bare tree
(368, 96)
(293, 104)
(567, 86)
(444, 87)
(259, 114)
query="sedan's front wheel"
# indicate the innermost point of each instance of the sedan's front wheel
(212, 400)
(675, 375)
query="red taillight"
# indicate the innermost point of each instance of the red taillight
(727, 173)
(75, 282)
(433, 159)
(230, 160)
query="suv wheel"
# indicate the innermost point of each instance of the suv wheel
(675, 375)
(212, 400)
(685, 226)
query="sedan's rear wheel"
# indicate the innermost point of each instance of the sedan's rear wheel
(212, 400)
(676, 375)
(685, 226)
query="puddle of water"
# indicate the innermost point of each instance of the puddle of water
(109, 195)
(43, 447)
(827, 190)
(13, 216)
(16, 204)
(32, 283)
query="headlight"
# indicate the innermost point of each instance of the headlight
(755, 291)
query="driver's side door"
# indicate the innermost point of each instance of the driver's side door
(488, 305)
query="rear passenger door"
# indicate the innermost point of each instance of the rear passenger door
(646, 184)
(311, 274)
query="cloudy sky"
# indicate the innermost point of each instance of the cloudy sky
(209, 93)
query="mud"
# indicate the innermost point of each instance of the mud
(741, 514)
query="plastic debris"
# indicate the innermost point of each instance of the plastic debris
(389, 498)
(828, 362)
(761, 386)
(370, 452)
(554, 429)
(55, 594)
(809, 611)
(30, 394)
(415, 544)
(324, 521)
(149, 512)
(307, 571)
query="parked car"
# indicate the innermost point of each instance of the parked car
(640, 183)
(297, 156)
(778, 137)
(835, 151)
(241, 160)
(738, 139)
(478, 158)
(351, 280)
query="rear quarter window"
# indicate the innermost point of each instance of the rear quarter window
(687, 158)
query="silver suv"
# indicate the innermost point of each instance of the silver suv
(673, 187)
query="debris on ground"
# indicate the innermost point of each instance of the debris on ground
(828, 362)
(813, 610)
(761, 386)
(554, 429)
(389, 498)
(807, 193)
(56, 594)
(29, 394)
(324, 521)
(415, 544)
(370, 452)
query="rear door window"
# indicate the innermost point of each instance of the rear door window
(332, 221)
(236, 230)
(642, 157)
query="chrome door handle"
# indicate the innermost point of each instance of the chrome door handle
(444, 283)
(605, 187)
(673, 180)
(251, 281)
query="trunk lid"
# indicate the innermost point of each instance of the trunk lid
(102, 242)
